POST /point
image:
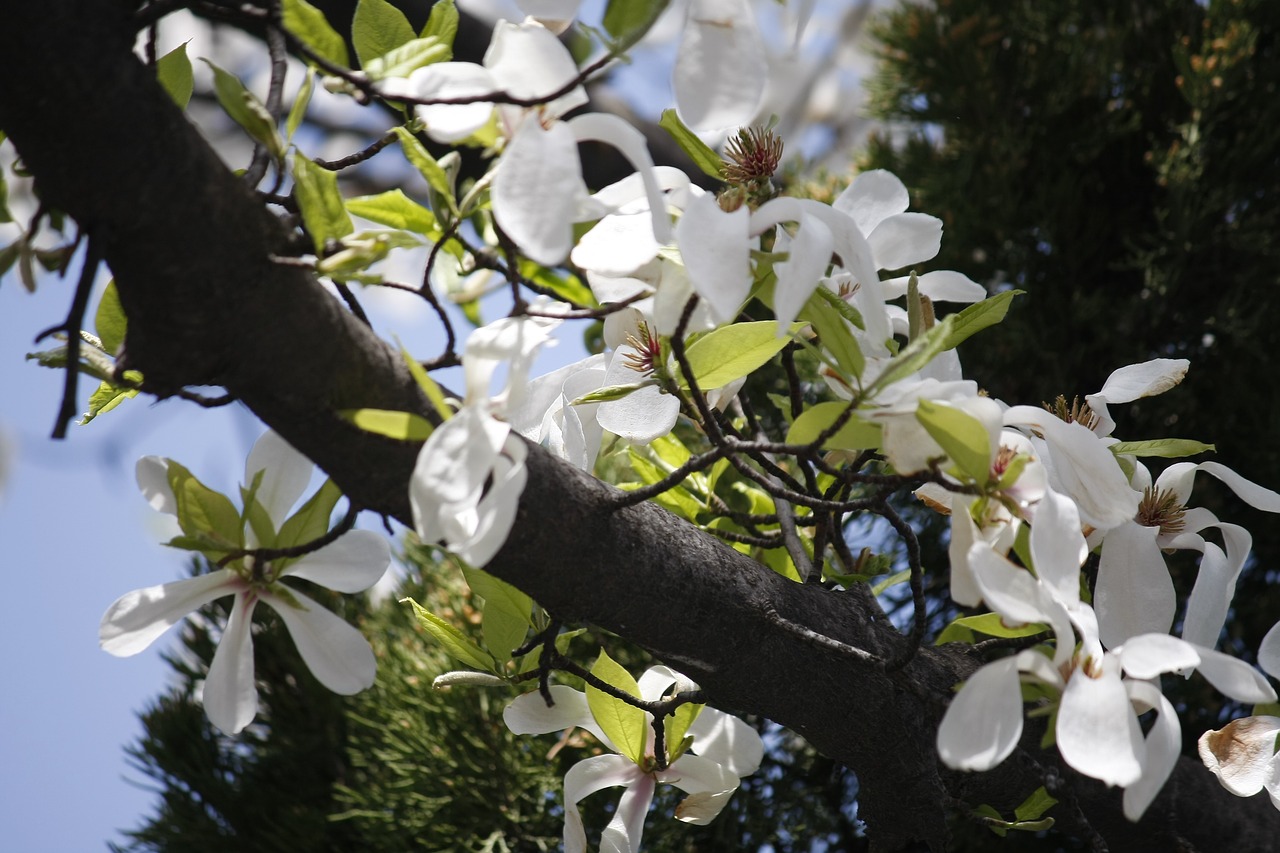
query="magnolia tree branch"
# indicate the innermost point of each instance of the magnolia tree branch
(191, 246)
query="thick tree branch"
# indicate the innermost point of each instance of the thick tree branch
(189, 246)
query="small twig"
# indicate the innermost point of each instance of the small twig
(675, 478)
(278, 52)
(354, 304)
(919, 616)
(821, 640)
(72, 325)
(359, 156)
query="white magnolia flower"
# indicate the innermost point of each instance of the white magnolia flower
(723, 749)
(1242, 754)
(720, 70)
(335, 652)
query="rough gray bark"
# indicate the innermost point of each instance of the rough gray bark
(188, 244)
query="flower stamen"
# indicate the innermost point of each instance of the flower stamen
(1077, 412)
(1161, 508)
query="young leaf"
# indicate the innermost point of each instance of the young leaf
(428, 385)
(835, 337)
(856, 434)
(417, 154)
(1166, 448)
(402, 426)
(628, 20)
(407, 58)
(247, 111)
(300, 102)
(173, 70)
(508, 613)
(676, 726)
(622, 723)
(1034, 806)
(396, 210)
(377, 29)
(442, 24)
(109, 321)
(106, 398)
(310, 25)
(202, 511)
(961, 435)
(311, 521)
(701, 154)
(990, 624)
(916, 355)
(732, 352)
(567, 286)
(320, 202)
(454, 641)
(978, 316)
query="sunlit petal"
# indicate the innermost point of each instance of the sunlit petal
(719, 75)
(1097, 729)
(625, 830)
(153, 479)
(585, 778)
(1162, 747)
(352, 564)
(137, 618)
(984, 721)
(285, 475)
(230, 695)
(337, 654)
(1134, 593)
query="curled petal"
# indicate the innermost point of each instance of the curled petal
(624, 831)
(477, 541)
(984, 721)
(1162, 747)
(939, 285)
(529, 714)
(230, 695)
(1241, 753)
(1269, 651)
(137, 618)
(585, 778)
(616, 131)
(1150, 655)
(798, 275)
(708, 784)
(719, 76)
(1097, 731)
(1057, 546)
(285, 475)
(873, 197)
(1211, 597)
(538, 191)
(337, 654)
(714, 246)
(1142, 380)
(153, 479)
(355, 562)
(452, 468)
(449, 123)
(905, 239)
(1235, 678)
(728, 741)
(528, 61)
(1248, 491)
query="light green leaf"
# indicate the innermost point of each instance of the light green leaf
(628, 20)
(173, 70)
(256, 515)
(676, 500)
(612, 392)
(676, 726)
(622, 723)
(417, 154)
(828, 321)
(856, 434)
(106, 398)
(378, 29)
(320, 202)
(961, 435)
(407, 58)
(109, 321)
(978, 316)
(311, 521)
(915, 355)
(701, 154)
(507, 616)
(246, 110)
(1166, 448)
(396, 210)
(402, 426)
(300, 102)
(203, 512)
(454, 641)
(567, 287)
(442, 24)
(962, 630)
(893, 580)
(1035, 805)
(310, 25)
(780, 561)
(428, 385)
(732, 352)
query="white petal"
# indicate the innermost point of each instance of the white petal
(625, 829)
(496, 512)
(618, 245)
(550, 10)
(449, 123)
(585, 778)
(1149, 655)
(939, 285)
(1134, 593)
(1097, 729)
(1235, 678)
(454, 462)
(513, 341)
(528, 61)
(714, 246)
(720, 74)
(1269, 651)
(285, 475)
(728, 741)
(810, 255)
(616, 131)
(964, 586)
(1012, 592)
(873, 197)
(642, 415)
(1142, 380)
(984, 721)
(709, 786)
(1211, 597)
(337, 654)
(529, 714)
(905, 239)
(538, 190)
(1057, 546)
(352, 564)
(153, 479)
(1241, 753)
(230, 695)
(1249, 492)
(1163, 745)
(137, 618)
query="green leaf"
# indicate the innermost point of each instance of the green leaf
(915, 355)
(961, 435)
(320, 202)
(628, 20)
(396, 210)
(856, 434)
(311, 521)
(109, 321)
(1035, 805)
(833, 334)
(454, 641)
(978, 316)
(428, 385)
(508, 613)
(612, 392)
(202, 511)
(246, 110)
(300, 102)
(1166, 448)
(310, 25)
(893, 580)
(173, 70)
(407, 58)
(377, 29)
(676, 500)
(417, 154)
(402, 426)
(732, 352)
(701, 154)
(779, 560)
(442, 24)
(256, 515)
(962, 630)
(106, 398)
(568, 287)
(622, 723)
(676, 726)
